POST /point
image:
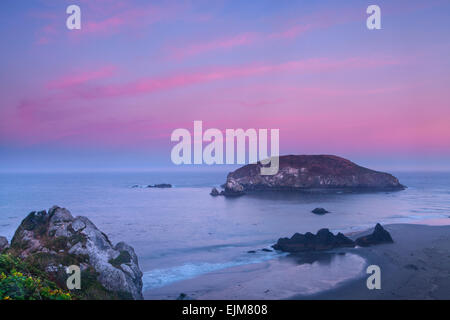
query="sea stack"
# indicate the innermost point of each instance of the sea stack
(311, 172)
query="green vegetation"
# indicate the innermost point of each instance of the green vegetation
(26, 280)
(21, 281)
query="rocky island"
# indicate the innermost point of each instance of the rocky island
(309, 173)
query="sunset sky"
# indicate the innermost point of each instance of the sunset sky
(108, 96)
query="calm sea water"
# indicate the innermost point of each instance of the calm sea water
(183, 232)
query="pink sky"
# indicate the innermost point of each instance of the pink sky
(136, 72)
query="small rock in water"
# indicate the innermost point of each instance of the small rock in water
(184, 296)
(161, 185)
(319, 211)
(266, 250)
(251, 251)
(214, 192)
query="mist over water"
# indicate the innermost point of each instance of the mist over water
(183, 232)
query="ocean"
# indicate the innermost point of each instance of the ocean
(187, 240)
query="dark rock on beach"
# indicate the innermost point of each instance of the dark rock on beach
(323, 240)
(227, 193)
(310, 172)
(320, 211)
(54, 240)
(379, 235)
(3, 244)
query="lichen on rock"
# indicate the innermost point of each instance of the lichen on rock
(55, 239)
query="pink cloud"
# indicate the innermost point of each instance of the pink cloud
(241, 39)
(77, 79)
(156, 84)
(132, 17)
(105, 17)
(290, 33)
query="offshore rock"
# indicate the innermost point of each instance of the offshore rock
(311, 172)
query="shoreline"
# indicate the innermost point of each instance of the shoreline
(415, 266)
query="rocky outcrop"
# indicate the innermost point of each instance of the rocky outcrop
(233, 188)
(3, 244)
(214, 192)
(161, 185)
(55, 239)
(320, 211)
(228, 192)
(310, 172)
(378, 236)
(323, 240)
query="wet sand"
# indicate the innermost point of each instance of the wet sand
(278, 278)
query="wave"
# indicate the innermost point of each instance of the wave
(158, 278)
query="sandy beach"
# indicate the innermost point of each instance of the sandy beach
(415, 266)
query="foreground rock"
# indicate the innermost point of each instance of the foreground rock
(310, 172)
(379, 236)
(52, 241)
(3, 244)
(323, 240)
(320, 211)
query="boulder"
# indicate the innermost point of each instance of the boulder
(55, 240)
(319, 211)
(378, 236)
(310, 172)
(3, 244)
(323, 240)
